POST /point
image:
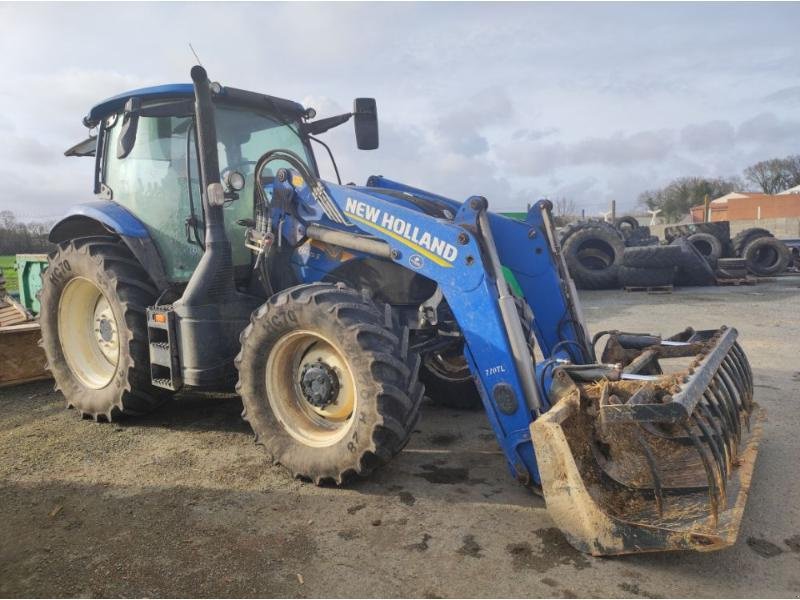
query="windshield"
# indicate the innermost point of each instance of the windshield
(243, 136)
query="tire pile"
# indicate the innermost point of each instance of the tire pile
(602, 255)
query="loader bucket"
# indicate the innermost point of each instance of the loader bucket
(655, 451)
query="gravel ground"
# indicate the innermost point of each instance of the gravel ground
(181, 503)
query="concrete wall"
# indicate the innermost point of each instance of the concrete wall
(786, 227)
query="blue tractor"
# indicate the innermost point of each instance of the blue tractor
(215, 258)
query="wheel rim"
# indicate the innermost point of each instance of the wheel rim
(88, 333)
(311, 388)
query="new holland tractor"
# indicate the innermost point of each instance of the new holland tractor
(215, 258)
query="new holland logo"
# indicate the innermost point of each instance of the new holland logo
(437, 250)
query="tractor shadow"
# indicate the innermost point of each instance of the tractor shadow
(194, 412)
(452, 455)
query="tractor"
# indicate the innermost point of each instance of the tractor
(216, 259)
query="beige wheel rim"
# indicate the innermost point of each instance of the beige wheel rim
(88, 332)
(311, 388)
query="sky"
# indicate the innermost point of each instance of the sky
(515, 102)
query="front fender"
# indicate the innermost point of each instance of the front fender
(102, 217)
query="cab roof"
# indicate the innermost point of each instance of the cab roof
(186, 90)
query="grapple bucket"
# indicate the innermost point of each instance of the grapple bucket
(654, 451)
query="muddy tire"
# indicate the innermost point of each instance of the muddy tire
(593, 255)
(693, 268)
(94, 330)
(646, 277)
(744, 237)
(328, 384)
(765, 256)
(658, 257)
(708, 245)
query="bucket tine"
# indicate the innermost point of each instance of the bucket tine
(651, 462)
(713, 500)
(722, 444)
(719, 425)
(718, 459)
(722, 392)
(747, 393)
(739, 391)
(734, 396)
(737, 349)
(732, 379)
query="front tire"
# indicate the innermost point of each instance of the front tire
(448, 380)
(94, 332)
(328, 384)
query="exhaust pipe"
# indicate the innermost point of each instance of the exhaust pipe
(212, 312)
(212, 280)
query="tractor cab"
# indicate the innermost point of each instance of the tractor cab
(147, 161)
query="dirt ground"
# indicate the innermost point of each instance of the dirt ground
(181, 503)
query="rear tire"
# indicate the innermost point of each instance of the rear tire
(328, 384)
(94, 332)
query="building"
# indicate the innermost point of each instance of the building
(738, 206)
(791, 190)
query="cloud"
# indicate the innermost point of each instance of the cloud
(618, 149)
(768, 128)
(504, 100)
(533, 135)
(709, 135)
(460, 126)
(789, 96)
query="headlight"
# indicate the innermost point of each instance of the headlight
(234, 181)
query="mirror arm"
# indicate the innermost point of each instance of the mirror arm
(323, 125)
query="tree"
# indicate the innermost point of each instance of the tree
(776, 174)
(678, 197)
(7, 219)
(17, 237)
(565, 208)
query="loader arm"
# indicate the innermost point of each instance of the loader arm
(457, 256)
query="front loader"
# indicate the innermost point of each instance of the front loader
(216, 258)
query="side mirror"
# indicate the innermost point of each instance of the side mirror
(130, 122)
(365, 113)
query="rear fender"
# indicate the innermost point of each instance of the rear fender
(103, 217)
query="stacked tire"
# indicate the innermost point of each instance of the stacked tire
(593, 251)
(649, 266)
(694, 269)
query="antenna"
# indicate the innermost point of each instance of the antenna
(195, 54)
